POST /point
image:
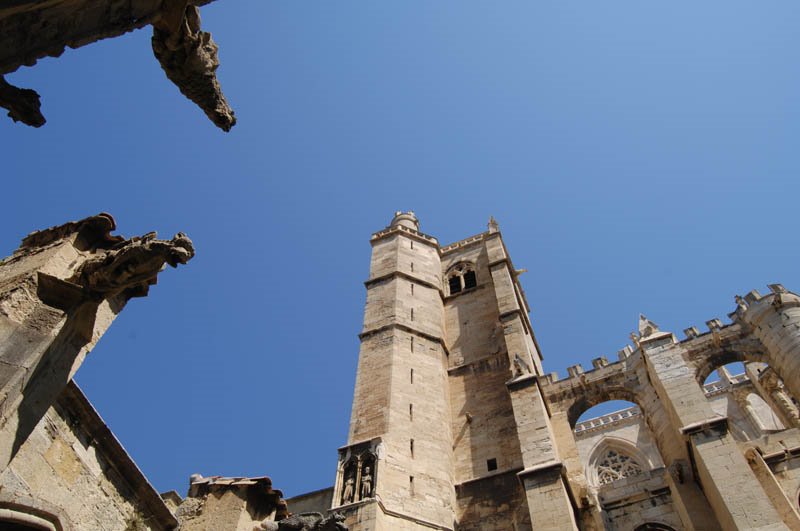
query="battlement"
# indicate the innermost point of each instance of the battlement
(388, 231)
(463, 243)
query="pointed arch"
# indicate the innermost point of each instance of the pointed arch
(613, 458)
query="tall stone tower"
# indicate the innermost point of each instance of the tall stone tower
(448, 426)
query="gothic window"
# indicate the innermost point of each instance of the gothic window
(461, 277)
(615, 465)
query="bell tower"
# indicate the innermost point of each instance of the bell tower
(448, 426)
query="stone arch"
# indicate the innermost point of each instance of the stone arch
(705, 366)
(653, 526)
(590, 399)
(609, 444)
(19, 518)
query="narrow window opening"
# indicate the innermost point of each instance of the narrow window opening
(412, 314)
(411, 341)
(411, 413)
(412, 267)
(470, 280)
(412, 376)
(411, 447)
(412, 288)
(412, 244)
(411, 484)
(455, 285)
(491, 464)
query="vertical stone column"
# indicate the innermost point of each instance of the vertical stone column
(775, 320)
(59, 293)
(730, 486)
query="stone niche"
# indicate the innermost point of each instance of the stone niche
(357, 473)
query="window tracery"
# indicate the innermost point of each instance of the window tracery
(461, 277)
(616, 465)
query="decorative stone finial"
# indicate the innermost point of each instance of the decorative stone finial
(405, 219)
(646, 327)
(493, 225)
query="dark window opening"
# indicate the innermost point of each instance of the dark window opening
(411, 411)
(491, 464)
(469, 280)
(455, 284)
(412, 376)
(411, 484)
(411, 447)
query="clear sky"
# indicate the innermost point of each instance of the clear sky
(639, 156)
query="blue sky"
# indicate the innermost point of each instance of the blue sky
(639, 157)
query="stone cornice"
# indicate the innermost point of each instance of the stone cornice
(368, 333)
(522, 382)
(411, 278)
(492, 475)
(542, 469)
(719, 424)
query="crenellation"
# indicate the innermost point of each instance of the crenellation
(575, 370)
(691, 332)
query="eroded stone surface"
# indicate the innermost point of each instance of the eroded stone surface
(30, 30)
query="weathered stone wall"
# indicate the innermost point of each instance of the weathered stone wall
(73, 470)
(493, 503)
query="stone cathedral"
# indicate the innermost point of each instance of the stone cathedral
(454, 424)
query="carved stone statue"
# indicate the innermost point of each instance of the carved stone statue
(306, 522)
(349, 489)
(366, 483)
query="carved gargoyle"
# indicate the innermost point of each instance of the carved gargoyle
(189, 58)
(306, 522)
(133, 265)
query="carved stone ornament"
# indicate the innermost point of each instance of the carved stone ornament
(646, 327)
(134, 264)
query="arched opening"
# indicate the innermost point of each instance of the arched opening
(18, 519)
(725, 372)
(608, 410)
(751, 395)
(653, 526)
(461, 277)
(591, 405)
